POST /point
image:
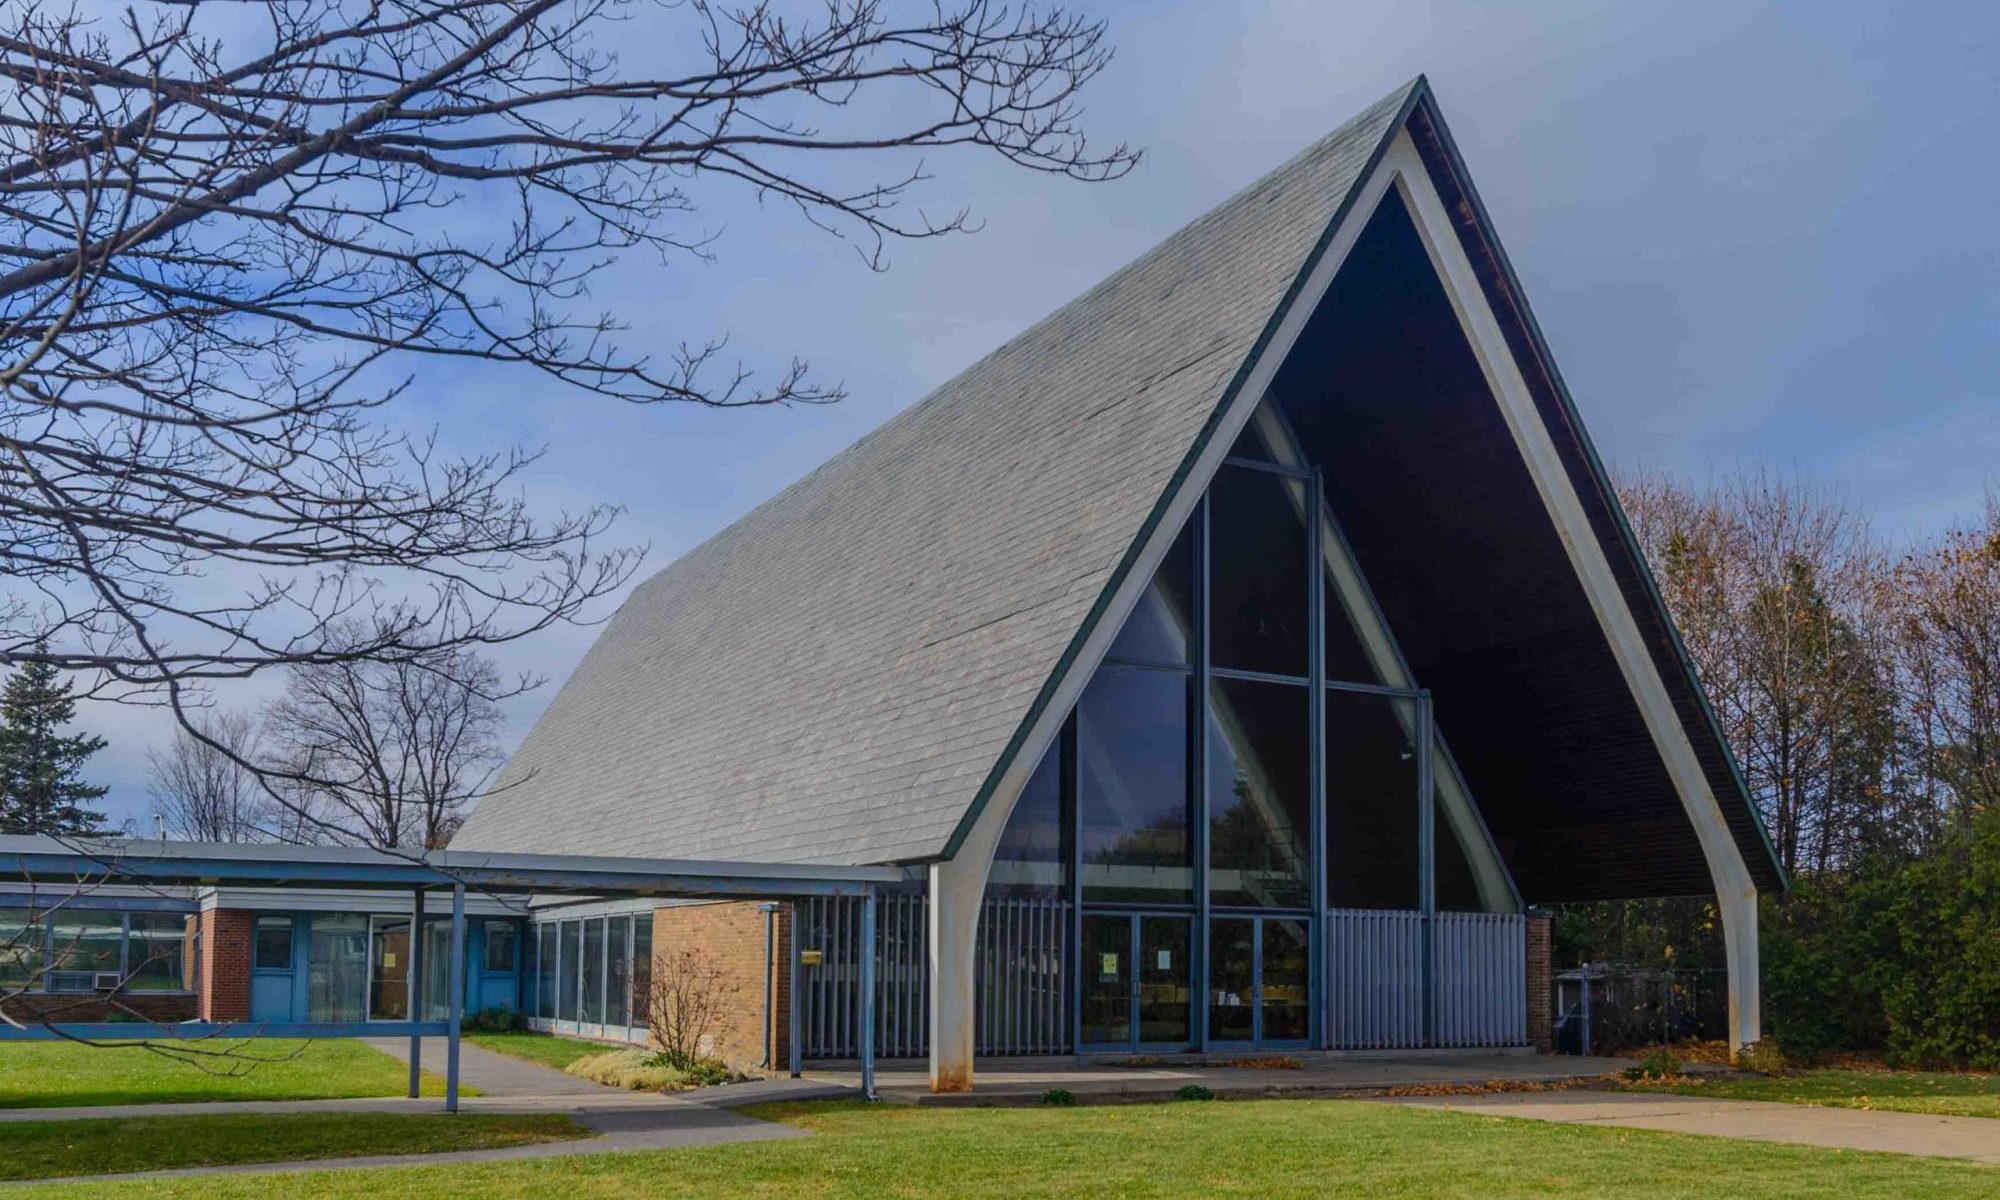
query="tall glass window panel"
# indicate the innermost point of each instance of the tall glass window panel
(159, 952)
(1457, 884)
(1259, 595)
(591, 1011)
(618, 972)
(545, 971)
(642, 969)
(82, 945)
(1371, 801)
(21, 937)
(1282, 988)
(1259, 794)
(1105, 1010)
(1161, 626)
(572, 963)
(1132, 742)
(1250, 443)
(1232, 979)
(1028, 863)
(1347, 659)
(337, 968)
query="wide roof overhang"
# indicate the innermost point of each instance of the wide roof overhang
(70, 862)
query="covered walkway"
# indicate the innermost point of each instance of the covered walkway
(62, 868)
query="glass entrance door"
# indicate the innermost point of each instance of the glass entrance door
(389, 970)
(1259, 990)
(1137, 982)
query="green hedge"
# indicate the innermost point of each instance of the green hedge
(1902, 956)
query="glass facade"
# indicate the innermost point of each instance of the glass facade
(1259, 794)
(1135, 827)
(1161, 627)
(337, 967)
(1303, 792)
(62, 948)
(592, 975)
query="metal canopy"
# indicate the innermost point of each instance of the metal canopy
(111, 860)
(73, 864)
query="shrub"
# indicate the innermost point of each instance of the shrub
(499, 1019)
(1194, 1091)
(649, 1071)
(1659, 1064)
(1059, 1098)
(1762, 1058)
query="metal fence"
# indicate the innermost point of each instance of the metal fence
(1478, 980)
(1375, 963)
(1376, 1000)
(1481, 976)
(1018, 978)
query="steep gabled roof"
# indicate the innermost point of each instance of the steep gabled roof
(843, 675)
(833, 677)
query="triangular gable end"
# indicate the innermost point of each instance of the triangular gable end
(1398, 174)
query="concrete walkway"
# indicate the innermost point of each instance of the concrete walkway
(493, 1074)
(1974, 1138)
(1117, 1080)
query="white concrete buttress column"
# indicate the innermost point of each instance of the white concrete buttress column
(1739, 945)
(957, 887)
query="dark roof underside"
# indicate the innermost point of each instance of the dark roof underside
(1447, 524)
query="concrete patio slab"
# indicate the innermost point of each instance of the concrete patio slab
(1974, 1138)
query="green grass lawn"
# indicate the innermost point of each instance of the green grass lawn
(546, 1049)
(1265, 1148)
(1939, 1092)
(65, 1074)
(50, 1149)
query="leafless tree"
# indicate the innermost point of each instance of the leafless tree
(201, 788)
(230, 234)
(1778, 590)
(389, 754)
(690, 992)
(1948, 596)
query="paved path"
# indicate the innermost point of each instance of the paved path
(1110, 1081)
(1975, 1138)
(493, 1074)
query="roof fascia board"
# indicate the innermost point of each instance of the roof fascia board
(1600, 476)
(1129, 579)
(1504, 379)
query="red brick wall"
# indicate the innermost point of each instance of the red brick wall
(732, 935)
(1541, 984)
(224, 985)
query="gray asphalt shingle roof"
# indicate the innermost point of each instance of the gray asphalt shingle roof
(832, 678)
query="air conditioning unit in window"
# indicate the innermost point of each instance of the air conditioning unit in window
(107, 981)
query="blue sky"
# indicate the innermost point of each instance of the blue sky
(1754, 234)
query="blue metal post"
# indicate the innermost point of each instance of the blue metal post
(868, 993)
(793, 1023)
(456, 1006)
(1427, 864)
(412, 991)
(1318, 972)
(1198, 774)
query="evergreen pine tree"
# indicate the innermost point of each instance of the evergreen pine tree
(41, 788)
